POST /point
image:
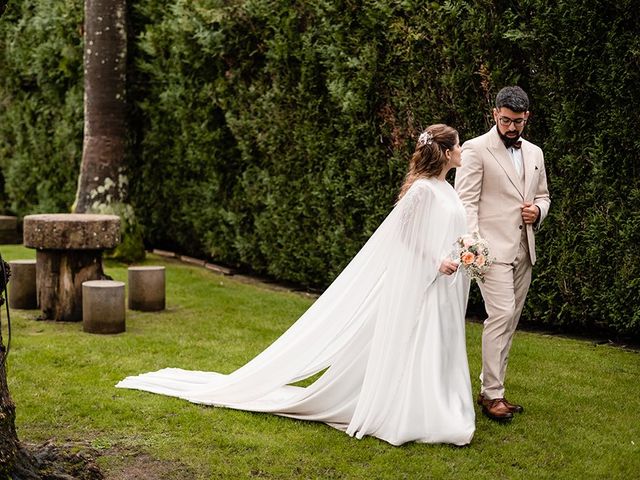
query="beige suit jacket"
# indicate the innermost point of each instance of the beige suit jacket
(492, 193)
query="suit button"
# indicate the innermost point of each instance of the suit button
(520, 227)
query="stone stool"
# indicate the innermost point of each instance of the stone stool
(8, 230)
(146, 288)
(22, 286)
(103, 309)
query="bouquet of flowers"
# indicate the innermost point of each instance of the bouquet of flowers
(472, 253)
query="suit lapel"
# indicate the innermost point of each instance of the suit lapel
(529, 166)
(499, 152)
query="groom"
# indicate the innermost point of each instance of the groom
(503, 186)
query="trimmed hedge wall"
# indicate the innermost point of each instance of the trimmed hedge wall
(275, 134)
(40, 105)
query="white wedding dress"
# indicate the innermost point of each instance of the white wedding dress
(389, 331)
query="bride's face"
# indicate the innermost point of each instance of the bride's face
(455, 156)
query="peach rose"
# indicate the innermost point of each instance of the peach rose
(467, 258)
(480, 260)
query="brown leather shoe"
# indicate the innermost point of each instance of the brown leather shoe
(495, 409)
(513, 407)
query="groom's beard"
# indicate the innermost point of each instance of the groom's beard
(509, 141)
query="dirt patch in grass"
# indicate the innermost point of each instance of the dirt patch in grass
(126, 464)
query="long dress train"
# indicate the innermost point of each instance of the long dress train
(389, 331)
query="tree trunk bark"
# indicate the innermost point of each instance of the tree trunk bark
(15, 461)
(101, 181)
(9, 443)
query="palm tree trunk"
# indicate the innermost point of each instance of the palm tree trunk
(101, 180)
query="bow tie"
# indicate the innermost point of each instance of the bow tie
(517, 145)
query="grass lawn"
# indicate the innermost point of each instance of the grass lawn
(582, 401)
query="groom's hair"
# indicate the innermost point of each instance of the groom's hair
(513, 98)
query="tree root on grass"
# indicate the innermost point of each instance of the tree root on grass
(54, 462)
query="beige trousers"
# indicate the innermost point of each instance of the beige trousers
(504, 292)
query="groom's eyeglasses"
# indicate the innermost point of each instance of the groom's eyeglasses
(506, 121)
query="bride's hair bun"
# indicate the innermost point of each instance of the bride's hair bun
(429, 158)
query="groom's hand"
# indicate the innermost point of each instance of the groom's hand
(530, 213)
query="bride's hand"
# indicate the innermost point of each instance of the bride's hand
(448, 267)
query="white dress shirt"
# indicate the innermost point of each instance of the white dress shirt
(516, 157)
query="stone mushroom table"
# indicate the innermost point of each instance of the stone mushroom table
(69, 252)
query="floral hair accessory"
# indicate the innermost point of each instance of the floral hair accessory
(425, 138)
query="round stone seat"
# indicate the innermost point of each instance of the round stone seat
(22, 287)
(103, 309)
(146, 288)
(68, 252)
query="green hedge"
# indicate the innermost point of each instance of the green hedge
(274, 134)
(40, 104)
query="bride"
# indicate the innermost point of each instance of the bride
(389, 332)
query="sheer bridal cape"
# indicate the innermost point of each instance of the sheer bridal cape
(389, 331)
